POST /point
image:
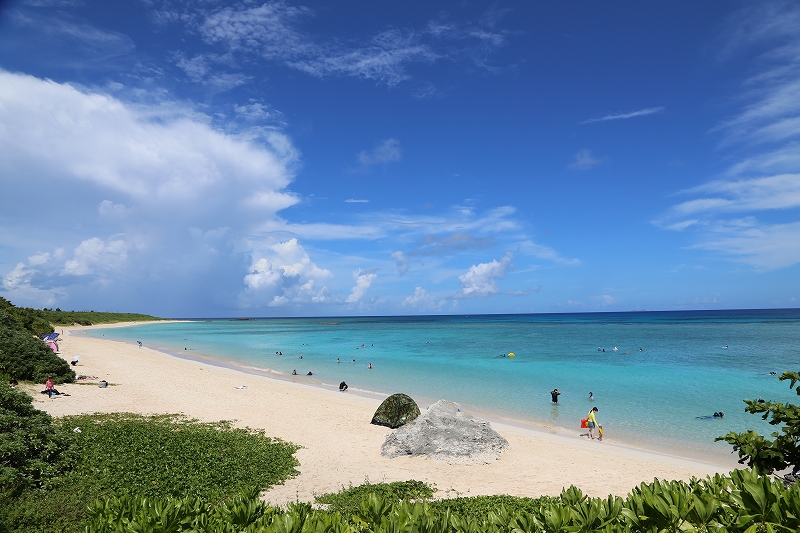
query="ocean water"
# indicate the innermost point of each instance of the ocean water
(669, 367)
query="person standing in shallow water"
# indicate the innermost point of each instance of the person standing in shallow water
(554, 394)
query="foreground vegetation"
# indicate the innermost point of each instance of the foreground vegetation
(70, 462)
(742, 503)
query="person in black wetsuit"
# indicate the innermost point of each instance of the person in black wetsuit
(554, 394)
(342, 386)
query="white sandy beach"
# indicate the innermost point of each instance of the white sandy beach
(339, 445)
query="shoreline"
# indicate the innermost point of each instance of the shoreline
(494, 417)
(339, 446)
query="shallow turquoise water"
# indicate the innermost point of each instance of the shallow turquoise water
(648, 398)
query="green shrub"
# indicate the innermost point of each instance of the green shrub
(348, 500)
(740, 503)
(783, 451)
(25, 357)
(31, 449)
(155, 457)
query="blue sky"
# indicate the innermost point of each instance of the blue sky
(302, 158)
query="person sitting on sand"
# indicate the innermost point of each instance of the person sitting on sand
(49, 388)
(13, 383)
(342, 386)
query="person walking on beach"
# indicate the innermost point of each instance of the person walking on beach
(554, 394)
(592, 422)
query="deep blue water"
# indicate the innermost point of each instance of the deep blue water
(670, 367)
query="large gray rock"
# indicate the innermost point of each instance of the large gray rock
(446, 434)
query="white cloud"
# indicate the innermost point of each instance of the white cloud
(272, 31)
(623, 116)
(755, 194)
(93, 255)
(545, 252)
(135, 150)
(354, 201)
(420, 295)
(284, 274)
(155, 169)
(382, 59)
(583, 160)
(38, 258)
(363, 281)
(479, 280)
(607, 299)
(764, 133)
(401, 261)
(422, 299)
(764, 246)
(388, 151)
(107, 208)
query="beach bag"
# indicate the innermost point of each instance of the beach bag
(103, 384)
(584, 423)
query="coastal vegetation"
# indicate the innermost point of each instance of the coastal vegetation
(782, 451)
(41, 321)
(742, 502)
(23, 355)
(54, 468)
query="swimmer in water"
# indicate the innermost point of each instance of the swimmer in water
(591, 396)
(554, 394)
(369, 366)
(294, 372)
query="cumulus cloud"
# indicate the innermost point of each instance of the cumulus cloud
(388, 151)
(401, 262)
(423, 300)
(363, 281)
(47, 275)
(284, 275)
(131, 149)
(93, 255)
(153, 168)
(479, 280)
(583, 160)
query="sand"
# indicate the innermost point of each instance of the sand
(339, 445)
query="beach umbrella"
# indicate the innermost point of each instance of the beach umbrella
(395, 411)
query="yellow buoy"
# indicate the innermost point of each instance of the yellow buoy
(512, 354)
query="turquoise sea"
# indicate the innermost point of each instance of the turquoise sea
(668, 369)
